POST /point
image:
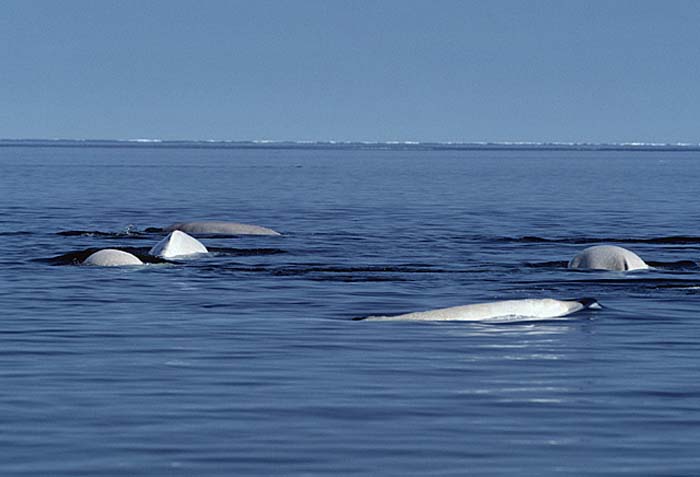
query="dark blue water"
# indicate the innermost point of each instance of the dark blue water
(246, 361)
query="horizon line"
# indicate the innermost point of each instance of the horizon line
(263, 142)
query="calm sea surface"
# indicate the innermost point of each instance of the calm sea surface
(246, 361)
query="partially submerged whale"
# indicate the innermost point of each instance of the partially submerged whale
(608, 257)
(529, 309)
(110, 257)
(177, 244)
(218, 227)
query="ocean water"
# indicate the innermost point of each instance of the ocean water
(246, 361)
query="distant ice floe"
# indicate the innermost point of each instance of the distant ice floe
(357, 144)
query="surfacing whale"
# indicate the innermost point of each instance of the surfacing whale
(218, 227)
(608, 257)
(110, 257)
(529, 309)
(177, 244)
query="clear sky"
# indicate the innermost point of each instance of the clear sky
(593, 71)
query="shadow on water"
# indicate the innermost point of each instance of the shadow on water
(77, 257)
(679, 265)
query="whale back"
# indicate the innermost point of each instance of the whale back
(608, 257)
(545, 308)
(177, 244)
(110, 257)
(218, 227)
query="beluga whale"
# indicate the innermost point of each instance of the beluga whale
(222, 228)
(608, 257)
(111, 257)
(507, 310)
(177, 244)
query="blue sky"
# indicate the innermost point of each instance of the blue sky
(596, 71)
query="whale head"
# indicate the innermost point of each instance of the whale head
(607, 257)
(110, 257)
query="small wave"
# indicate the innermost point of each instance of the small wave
(313, 275)
(680, 284)
(680, 265)
(626, 282)
(673, 239)
(20, 232)
(555, 264)
(129, 234)
(245, 252)
(330, 272)
(300, 270)
(355, 278)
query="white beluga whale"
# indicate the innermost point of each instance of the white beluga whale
(507, 310)
(608, 257)
(177, 244)
(110, 257)
(218, 227)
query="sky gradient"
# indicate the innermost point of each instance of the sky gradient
(596, 71)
